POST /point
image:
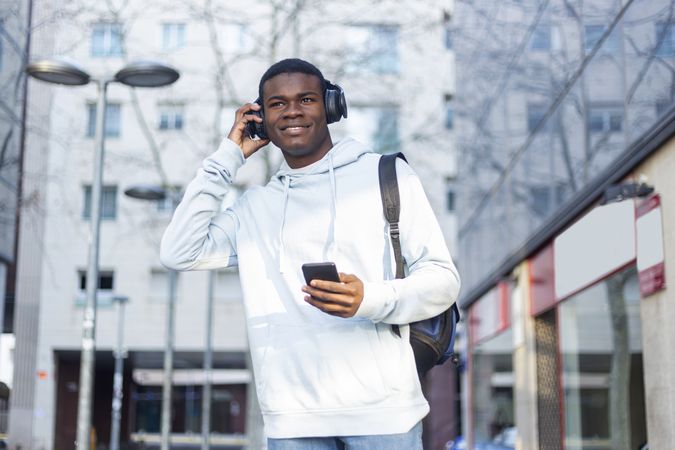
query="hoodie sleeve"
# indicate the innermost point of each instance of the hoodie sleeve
(200, 236)
(432, 282)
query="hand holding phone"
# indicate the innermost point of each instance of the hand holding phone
(320, 271)
(337, 294)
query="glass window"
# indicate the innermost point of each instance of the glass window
(450, 194)
(108, 203)
(113, 120)
(492, 384)
(376, 126)
(169, 203)
(545, 198)
(602, 372)
(665, 39)
(663, 105)
(541, 38)
(448, 122)
(173, 36)
(602, 119)
(226, 408)
(106, 280)
(386, 138)
(171, 117)
(535, 114)
(373, 49)
(447, 32)
(106, 39)
(593, 33)
(448, 37)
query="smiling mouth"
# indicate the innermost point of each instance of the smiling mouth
(295, 127)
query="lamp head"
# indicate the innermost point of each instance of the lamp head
(147, 74)
(58, 72)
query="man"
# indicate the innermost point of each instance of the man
(330, 371)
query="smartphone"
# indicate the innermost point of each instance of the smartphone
(320, 271)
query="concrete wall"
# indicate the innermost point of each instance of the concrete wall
(658, 310)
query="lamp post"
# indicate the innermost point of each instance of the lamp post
(208, 365)
(155, 193)
(120, 354)
(135, 74)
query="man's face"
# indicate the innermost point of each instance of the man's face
(295, 117)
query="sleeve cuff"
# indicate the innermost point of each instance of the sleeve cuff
(229, 154)
(373, 302)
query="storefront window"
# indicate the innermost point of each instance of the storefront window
(492, 380)
(226, 409)
(602, 372)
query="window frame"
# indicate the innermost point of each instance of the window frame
(175, 117)
(113, 120)
(108, 192)
(611, 45)
(606, 114)
(542, 30)
(376, 53)
(667, 46)
(173, 35)
(111, 40)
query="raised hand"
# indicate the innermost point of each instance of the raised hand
(238, 132)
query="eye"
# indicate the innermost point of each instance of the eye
(307, 100)
(275, 104)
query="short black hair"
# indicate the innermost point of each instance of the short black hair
(291, 65)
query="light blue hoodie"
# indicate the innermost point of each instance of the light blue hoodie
(316, 374)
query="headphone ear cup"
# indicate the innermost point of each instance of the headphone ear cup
(335, 102)
(329, 102)
(254, 128)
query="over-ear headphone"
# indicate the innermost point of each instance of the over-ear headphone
(334, 102)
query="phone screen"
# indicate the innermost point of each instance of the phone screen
(320, 271)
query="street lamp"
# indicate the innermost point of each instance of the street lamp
(155, 193)
(135, 74)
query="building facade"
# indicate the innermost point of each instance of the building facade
(566, 233)
(378, 54)
(14, 17)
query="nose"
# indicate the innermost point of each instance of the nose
(293, 109)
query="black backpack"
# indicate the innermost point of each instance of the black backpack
(433, 339)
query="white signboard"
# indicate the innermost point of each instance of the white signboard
(599, 243)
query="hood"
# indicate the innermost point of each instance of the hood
(343, 153)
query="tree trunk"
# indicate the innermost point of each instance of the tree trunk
(619, 383)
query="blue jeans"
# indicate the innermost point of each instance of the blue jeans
(412, 440)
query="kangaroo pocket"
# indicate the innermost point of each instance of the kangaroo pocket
(315, 368)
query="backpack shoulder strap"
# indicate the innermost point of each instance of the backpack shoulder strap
(391, 204)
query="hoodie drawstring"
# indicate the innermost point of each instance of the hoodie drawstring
(333, 246)
(282, 252)
(331, 249)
